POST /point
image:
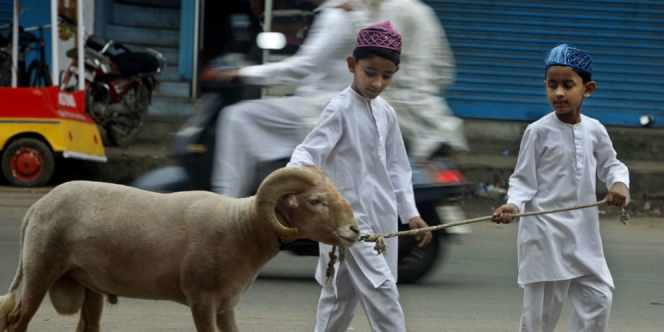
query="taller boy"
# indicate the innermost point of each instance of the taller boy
(561, 154)
(357, 142)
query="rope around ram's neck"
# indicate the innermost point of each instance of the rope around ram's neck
(381, 246)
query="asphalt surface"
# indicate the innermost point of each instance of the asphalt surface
(473, 289)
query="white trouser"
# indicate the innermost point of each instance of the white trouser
(381, 304)
(543, 303)
(250, 132)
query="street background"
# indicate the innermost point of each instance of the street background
(473, 289)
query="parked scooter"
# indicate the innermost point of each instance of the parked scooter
(119, 84)
(434, 182)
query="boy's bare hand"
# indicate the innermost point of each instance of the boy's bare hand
(222, 76)
(424, 238)
(346, 6)
(503, 214)
(617, 196)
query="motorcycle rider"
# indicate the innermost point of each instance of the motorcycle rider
(269, 129)
(262, 130)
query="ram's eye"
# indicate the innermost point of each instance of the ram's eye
(315, 201)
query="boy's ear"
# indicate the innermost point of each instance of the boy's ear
(351, 63)
(590, 88)
(396, 70)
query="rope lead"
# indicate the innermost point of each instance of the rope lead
(381, 246)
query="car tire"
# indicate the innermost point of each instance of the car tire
(28, 162)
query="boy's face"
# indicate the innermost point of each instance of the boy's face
(566, 91)
(372, 75)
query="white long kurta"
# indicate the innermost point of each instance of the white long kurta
(557, 167)
(358, 144)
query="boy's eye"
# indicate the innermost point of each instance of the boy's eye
(387, 77)
(370, 74)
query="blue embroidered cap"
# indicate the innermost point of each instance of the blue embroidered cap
(568, 55)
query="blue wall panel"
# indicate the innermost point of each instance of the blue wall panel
(6, 10)
(500, 46)
(186, 56)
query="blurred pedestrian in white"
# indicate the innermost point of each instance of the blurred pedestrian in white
(269, 129)
(427, 70)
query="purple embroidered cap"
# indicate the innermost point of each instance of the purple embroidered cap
(383, 35)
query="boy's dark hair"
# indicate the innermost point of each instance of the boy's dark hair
(363, 53)
(585, 76)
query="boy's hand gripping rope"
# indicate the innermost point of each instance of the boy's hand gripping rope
(381, 246)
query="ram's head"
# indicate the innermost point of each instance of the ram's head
(302, 202)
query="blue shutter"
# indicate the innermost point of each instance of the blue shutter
(500, 46)
(6, 11)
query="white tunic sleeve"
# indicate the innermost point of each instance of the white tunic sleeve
(523, 182)
(325, 36)
(609, 169)
(321, 140)
(400, 172)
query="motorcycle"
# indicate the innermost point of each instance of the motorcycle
(435, 181)
(119, 86)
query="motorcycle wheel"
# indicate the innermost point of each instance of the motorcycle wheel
(123, 132)
(28, 162)
(414, 262)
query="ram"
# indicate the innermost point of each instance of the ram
(84, 240)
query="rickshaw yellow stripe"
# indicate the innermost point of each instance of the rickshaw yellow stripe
(61, 134)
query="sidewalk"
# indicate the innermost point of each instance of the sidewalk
(641, 149)
(638, 148)
(646, 177)
(125, 165)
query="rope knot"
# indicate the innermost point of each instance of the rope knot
(624, 216)
(381, 245)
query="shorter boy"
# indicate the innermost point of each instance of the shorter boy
(357, 142)
(560, 254)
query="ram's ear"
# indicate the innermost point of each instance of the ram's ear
(291, 201)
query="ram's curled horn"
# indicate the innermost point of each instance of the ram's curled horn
(287, 180)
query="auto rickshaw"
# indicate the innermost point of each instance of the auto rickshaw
(41, 124)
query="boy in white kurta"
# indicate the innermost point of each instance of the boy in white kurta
(561, 155)
(357, 142)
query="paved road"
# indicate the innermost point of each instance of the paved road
(474, 290)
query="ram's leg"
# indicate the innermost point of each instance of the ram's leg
(226, 321)
(90, 312)
(204, 313)
(34, 291)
